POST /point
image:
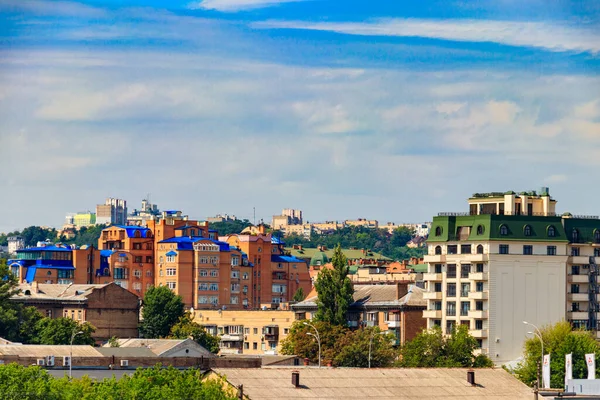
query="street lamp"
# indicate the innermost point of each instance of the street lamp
(318, 339)
(373, 333)
(71, 352)
(539, 336)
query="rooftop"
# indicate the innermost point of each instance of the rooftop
(34, 350)
(375, 383)
(160, 347)
(46, 291)
(351, 254)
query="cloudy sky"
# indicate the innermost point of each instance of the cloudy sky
(393, 110)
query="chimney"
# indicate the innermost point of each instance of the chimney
(34, 287)
(471, 377)
(401, 289)
(296, 378)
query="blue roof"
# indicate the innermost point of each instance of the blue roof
(171, 253)
(30, 276)
(186, 226)
(286, 259)
(213, 230)
(132, 229)
(45, 248)
(106, 253)
(186, 242)
(276, 240)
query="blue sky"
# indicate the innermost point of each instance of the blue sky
(378, 109)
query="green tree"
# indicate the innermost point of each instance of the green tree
(299, 295)
(9, 314)
(114, 342)
(334, 290)
(559, 339)
(352, 350)
(425, 350)
(230, 227)
(187, 328)
(161, 310)
(58, 331)
(33, 234)
(299, 343)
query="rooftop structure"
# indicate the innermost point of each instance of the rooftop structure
(161, 347)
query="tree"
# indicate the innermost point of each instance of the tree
(114, 342)
(299, 343)
(9, 315)
(353, 349)
(186, 328)
(299, 295)
(559, 339)
(334, 290)
(161, 310)
(58, 331)
(230, 227)
(430, 349)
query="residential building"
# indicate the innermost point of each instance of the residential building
(221, 218)
(113, 211)
(304, 230)
(417, 242)
(277, 383)
(276, 275)
(505, 262)
(15, 243)
(396, 308)
(157, 348)
(148, 212)
(112, 310)
(251, 332)
(404, 271)
(326, 227)
(362, 222)
(288, 216)
(321, 255)
(82, 219)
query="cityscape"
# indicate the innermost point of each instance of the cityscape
(286, 199)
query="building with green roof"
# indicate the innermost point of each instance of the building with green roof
(321, 255)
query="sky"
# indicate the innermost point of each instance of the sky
(388, 110)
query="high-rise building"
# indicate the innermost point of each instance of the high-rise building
(508, 260)
(113, 211)
(15, 243)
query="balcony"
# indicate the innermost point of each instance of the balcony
(393, 323)
(432, 277)
(271, 332)
(578, 297)
(225, 350)
(432, 295)
(479, 333)
(578, 278)
(434, 314)
(478, 276)
(573, 315)
(578, 260)
(475, 257)
(232, 337)
(478, 295)
(478, 314)
(353, 324)
(370, 323)
(436, 258)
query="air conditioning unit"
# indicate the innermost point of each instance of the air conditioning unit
(50, 361)
(124, 363)
(41, 362)
(66, 361)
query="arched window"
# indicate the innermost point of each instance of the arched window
(480, 249)
(503, 230)
(438, 231)
(575, 235)
(527, 230)
(137, 234)
(438, 250)
(597, 236)
(480, 229)
(551, 231)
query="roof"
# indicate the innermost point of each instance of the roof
(187, 242)
(35, 350)
(45, 248)
(277, 240)
(375, 296)
(418, 267)
(375, 383)
(286, 259)
(47, 291)
(132, 229)
(171, 253)
(106, 253)
(161, 347)
(351, 254)
(126, 351)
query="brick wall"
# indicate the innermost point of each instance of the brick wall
(412, 324)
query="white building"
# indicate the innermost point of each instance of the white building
(15, 243)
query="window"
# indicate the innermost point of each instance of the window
(203, 260)
(172, 285)
(464, 270)
(464, 289)
(597, 236)
(137, 286)
(277, 288)
(235, 287)
(235, 261)
(254, 346)
(503, 249)
(255, 331)
(170, 258)
(214, 299)
(160, 272)
(138, 259)
(214, 287)
(214, 260)
(148, 259)
(235, 274)
(464, 308)
(438, 231)
(214, 273)
(203, 272)
(246, 346)
(295, 266)
(479, 268)
(149, 273)
(451, 290)
(171, 272)
(245, 289)
(438, 268)
(479, 343)
(480, 229)
(137, 273)
(235, 300)
(479, 249)
(437, 287)
(575, 307)
(451, 308)
(551, 231)
(503, 230)
(527, 250)
(575, 235)
(574, 288)
(48, 313)
(465, 249)
(245, 276)
(202, 300)
(479, 286)
(451, 271)
(575, 270)
(437, 305)
(437, 322)
(551, 250)
(452, 249)
(597, 252)
(203, 286)
(438, 250)
(479, 305)
(575, 251)
(527, 230)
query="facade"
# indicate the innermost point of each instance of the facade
(321, 255)
(159, 347)
(506, 261)
(148, 212)
(362, 222)
(253, 332)
(396, 308)
(276, 275)
(112, 310)
(113, 211)
(84, 219)
(15, 243)
(288, 216)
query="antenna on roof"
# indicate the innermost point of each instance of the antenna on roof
(254, 219)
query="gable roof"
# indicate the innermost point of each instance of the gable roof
(46, 291)
(376, 383)
(162, 347)
(39, 350)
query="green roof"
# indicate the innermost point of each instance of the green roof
(488, 227)
(419, 267)
(309, 253)
(586, 229)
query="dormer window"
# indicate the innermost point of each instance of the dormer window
(551, 231)
(438, 231)
(597, 236)
(575, 235)
(503, 230)
(527, 230)
(480, 229)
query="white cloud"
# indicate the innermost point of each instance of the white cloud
(558, 178)
(54, 8)
(236, 5)
(549, 36)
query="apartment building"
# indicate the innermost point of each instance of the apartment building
(113, 211)
(506, 261)
(362, 222)
(251, 332)
(15, 243)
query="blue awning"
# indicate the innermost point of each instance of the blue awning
(171, 253)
